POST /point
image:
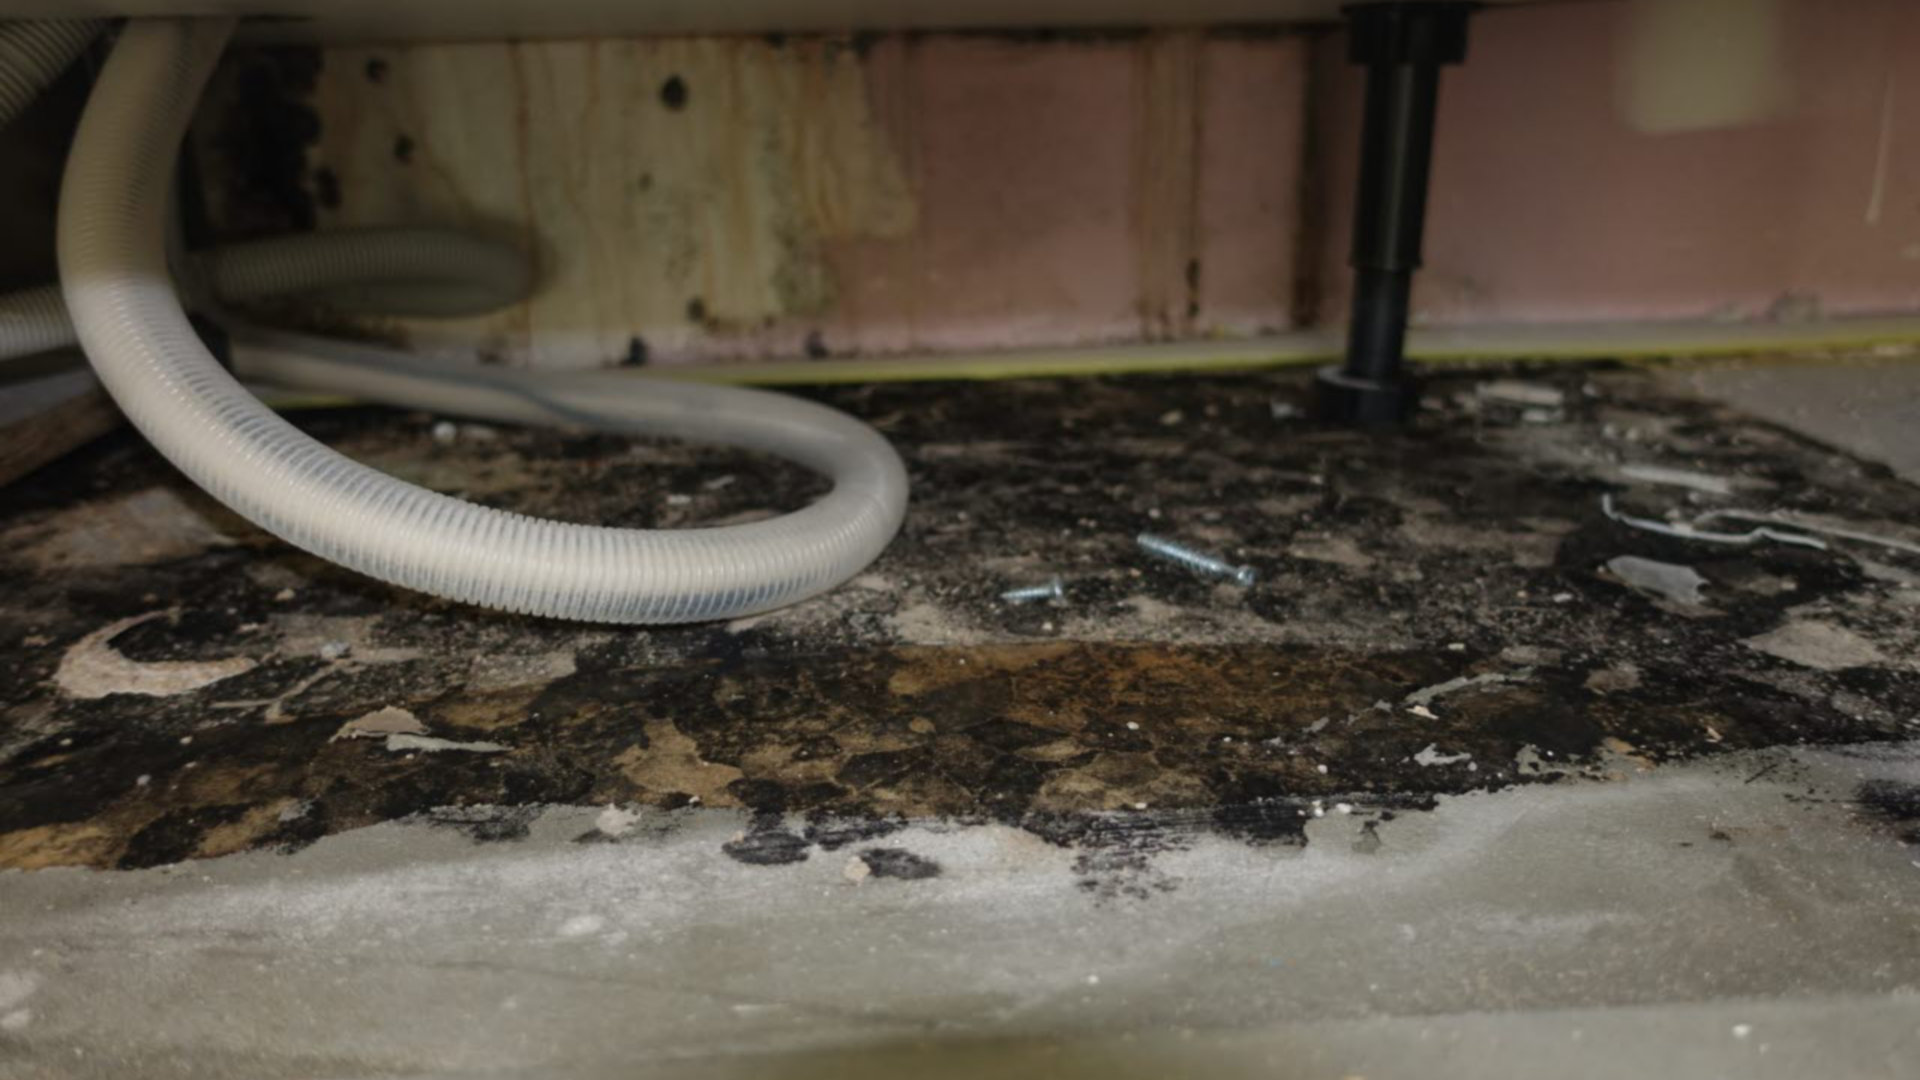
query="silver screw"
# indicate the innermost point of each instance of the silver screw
(1052, 590)
(1193, 560)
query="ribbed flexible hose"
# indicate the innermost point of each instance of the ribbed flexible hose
(114, 276)
(33, 54)
(387, 271)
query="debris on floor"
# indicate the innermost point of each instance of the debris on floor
(1681, 584)
(1441, 591)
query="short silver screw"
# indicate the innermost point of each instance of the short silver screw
(1052, 590)
(1193, 560)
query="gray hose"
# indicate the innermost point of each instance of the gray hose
(114, 273)
(33, 54)
(431, 272)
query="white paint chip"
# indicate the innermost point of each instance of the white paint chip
(93, 668)
(1431, 756)
(1463, 682)
(1681, 478)
(1515, 392)
(1820, 645)
(426, 744)
(379, 724)
(1670, 581)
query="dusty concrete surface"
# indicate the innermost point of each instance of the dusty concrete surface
(1757, 893)
(1461, 787)
(1868, 405)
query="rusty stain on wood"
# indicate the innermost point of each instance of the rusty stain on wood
(814, 196)
(632, 207)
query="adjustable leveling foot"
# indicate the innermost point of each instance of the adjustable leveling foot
(1403, 46)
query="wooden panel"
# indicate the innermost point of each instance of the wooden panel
(476, 20)
(721, 198)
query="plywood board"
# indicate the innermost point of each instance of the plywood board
(724, 198)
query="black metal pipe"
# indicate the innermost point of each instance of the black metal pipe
(1403, 46)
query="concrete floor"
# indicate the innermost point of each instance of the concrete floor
(1755, 914)
(1739, 917)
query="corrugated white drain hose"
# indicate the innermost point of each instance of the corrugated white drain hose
(114, 276)
(384, 271)
(33, 54)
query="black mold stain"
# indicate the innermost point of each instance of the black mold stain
(326, 188)
(767, 843)
(260, 125)
(838, 724)
(816, 346)
(486, 824)
(176, 836)
(1895, 802)
(899, 863)
(697, 310)
(403, 149)
(1065, 35)
(376, 70)
(636, 352)
(673, 93)
(832, 834)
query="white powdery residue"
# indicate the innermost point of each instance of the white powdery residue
(16, 1021)
(429, 745)
(856, 870)
(582, 926)
(615, 821)
(501, 672)
(93, 668)
(1682, 478)
(16, 987)
(1432, 756)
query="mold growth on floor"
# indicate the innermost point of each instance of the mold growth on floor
(1438, 610)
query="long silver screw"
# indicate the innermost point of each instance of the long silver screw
(1052, 590)
(1194, 560)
